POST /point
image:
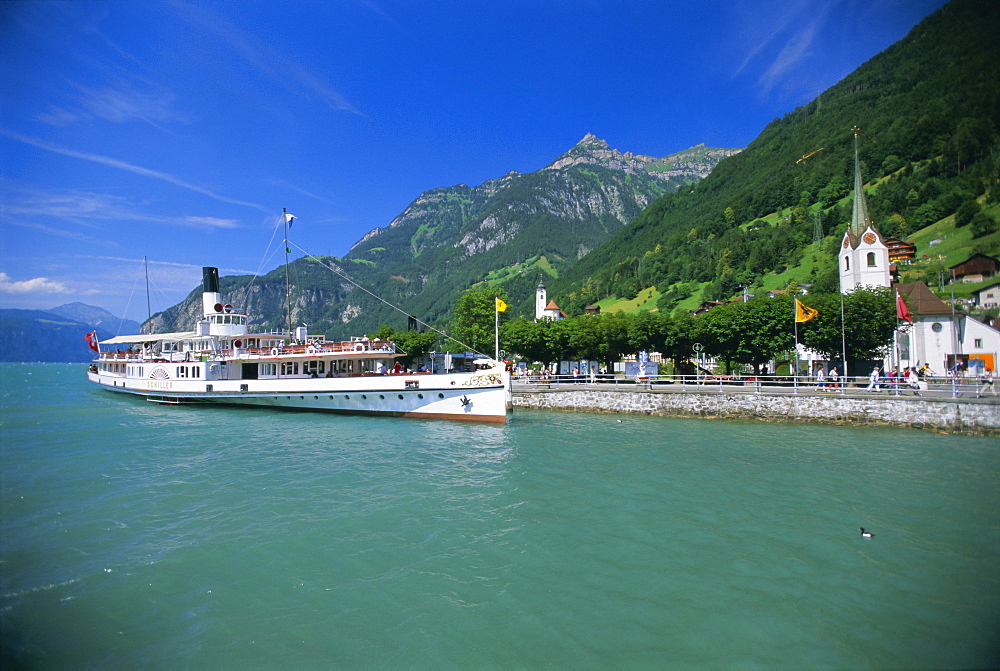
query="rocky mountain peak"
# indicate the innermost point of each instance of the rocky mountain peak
(691, 164)
(592, 141)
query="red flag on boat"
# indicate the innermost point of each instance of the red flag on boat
(92, 340)
(902, 312)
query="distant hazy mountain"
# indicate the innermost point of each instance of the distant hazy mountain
(39, 335)
(57, 335)
(97, 317)
(508, 230)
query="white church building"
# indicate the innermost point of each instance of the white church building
(545, 307)
(940, 335)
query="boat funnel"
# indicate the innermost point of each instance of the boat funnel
(210, 278)
(211, 300)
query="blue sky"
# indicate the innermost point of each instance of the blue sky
(178, 131)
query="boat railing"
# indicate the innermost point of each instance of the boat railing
(315, 348)
(121, 356)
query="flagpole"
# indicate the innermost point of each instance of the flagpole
(149, 310)
(496, 329)
(288, 305)
(843, 338)
(795, 323)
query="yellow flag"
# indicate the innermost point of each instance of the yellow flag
(501, 306)
(803, 313)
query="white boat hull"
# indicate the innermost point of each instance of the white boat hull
(465, 396)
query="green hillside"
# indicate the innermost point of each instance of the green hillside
(928, 112)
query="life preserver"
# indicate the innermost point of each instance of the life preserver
(311, 349)
(274, 351)
(359, 348)
(238, 343)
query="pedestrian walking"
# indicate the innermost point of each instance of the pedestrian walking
(984, 382)
(873, 380)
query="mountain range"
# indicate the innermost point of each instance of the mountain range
(58, 334)
(633, 232)
(508, 230)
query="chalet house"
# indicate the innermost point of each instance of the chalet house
(988, 297)
(976, 268)
(900, 250)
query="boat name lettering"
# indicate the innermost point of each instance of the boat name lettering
(481, 380)
(159, 384)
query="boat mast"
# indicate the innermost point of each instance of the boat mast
(149, 311)
(288, 305)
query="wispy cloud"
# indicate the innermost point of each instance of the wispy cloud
(166, 264)
(36, 285)
(298, 189)
(212, 222)
(792, 26)
(794, 51)
(42, 210)
(129, 167)
(268, 61)
(126, 102)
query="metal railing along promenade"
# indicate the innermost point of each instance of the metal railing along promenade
(935, 387)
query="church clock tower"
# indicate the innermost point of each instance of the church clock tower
(864, 256)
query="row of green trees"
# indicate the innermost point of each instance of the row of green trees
(735, 334)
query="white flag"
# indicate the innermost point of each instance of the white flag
(288, 218)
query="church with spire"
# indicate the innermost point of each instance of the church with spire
(864, 255)
(934, 332)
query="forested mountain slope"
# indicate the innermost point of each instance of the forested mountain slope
(927, 109)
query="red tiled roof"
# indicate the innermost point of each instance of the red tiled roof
(921, 300)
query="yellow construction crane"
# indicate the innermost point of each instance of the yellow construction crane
(805, 156)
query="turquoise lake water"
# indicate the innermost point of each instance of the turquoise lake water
(140, 536)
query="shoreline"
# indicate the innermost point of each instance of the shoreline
(943, 415)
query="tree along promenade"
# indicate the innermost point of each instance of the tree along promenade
(944, 405)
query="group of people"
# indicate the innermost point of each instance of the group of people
(827, 381)
(910, 376)
(913, 378)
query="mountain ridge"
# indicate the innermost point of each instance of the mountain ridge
(449, 238)
(48, 336)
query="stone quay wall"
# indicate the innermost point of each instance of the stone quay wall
(947, 415)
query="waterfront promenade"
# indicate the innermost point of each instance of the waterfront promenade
(945, 405)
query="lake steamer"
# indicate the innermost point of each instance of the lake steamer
(223, 362)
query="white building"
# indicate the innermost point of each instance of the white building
(545, 307)
(941, 335)
(988, 297)
(864, 256)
